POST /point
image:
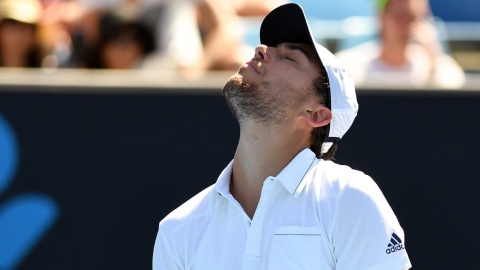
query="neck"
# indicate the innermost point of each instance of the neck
(261, 152)
(394, 52)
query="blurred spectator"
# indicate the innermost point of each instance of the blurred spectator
(221, 35)
(172, 23)
(190, 35)
(122, 44)
(59, 17)
(408, 53)
(222, 31)
(19, 46)
(93, 26)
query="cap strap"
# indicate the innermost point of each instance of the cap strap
(332, 139)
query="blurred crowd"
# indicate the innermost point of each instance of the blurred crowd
(190, 35)
(195, 36)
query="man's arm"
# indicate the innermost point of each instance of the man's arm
(364, 230)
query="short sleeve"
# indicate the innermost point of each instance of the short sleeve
(163, 256)
(364, 231)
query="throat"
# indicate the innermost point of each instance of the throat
(250, 206)
(248, 198)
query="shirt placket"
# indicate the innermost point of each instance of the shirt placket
(255, 227)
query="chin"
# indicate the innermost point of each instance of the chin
(236, 79)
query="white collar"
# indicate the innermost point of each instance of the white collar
(291, 176)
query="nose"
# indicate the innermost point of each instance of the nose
(261, 52)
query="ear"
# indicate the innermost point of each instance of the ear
(318, 116)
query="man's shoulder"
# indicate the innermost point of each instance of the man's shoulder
(344, 184)
(336, 177)
(339, 172)
(194, 208)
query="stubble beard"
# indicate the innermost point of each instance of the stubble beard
(250, 101)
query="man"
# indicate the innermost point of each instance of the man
(408, 52)
(280, 204)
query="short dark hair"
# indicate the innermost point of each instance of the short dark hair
(320, 134)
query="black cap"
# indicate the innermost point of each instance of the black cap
(286, 23)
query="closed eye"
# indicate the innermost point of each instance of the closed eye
(295, 52)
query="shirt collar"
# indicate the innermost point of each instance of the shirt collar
(222, 186)
(292, 175)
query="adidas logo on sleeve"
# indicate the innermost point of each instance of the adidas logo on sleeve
(395, 244)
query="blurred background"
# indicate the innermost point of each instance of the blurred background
(111, 116)
(191, 36)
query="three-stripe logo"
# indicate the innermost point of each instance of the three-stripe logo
(395, 244)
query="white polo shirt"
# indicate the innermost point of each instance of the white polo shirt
(314, 215)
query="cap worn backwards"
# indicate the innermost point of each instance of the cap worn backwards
(287, 23)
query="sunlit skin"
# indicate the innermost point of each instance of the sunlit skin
(280, 78)
(286, 63)
(281, 75)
